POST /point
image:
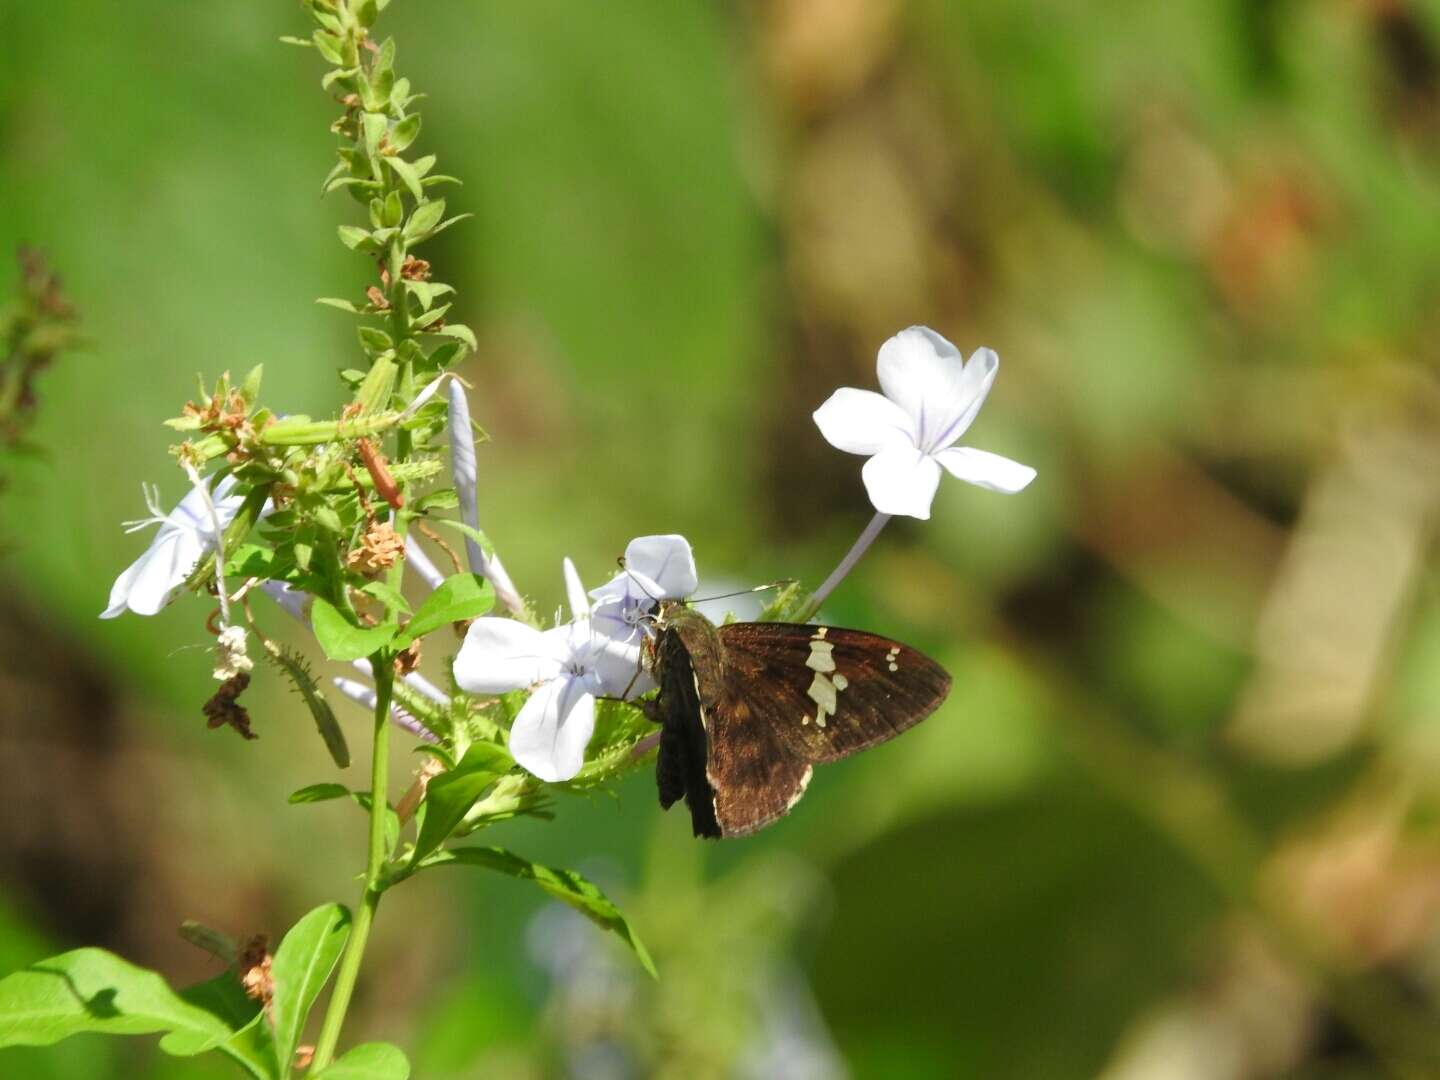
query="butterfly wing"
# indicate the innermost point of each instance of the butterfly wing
(715, 747)
(830, 692)
(756, 776)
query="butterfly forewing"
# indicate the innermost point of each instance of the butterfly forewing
(831, 692)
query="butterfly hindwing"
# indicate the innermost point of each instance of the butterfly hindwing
(833, 692)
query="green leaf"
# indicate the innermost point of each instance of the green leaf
(329, 46)
(388, 595)
(91, 990)
(460, 332)
(343, 640)
(451, 794)
(375, 124)
(368, 1061)
(441, 499)
(318, 793)
(424, 218)
(438, 229)
(457, 598)
(404, 133)
(408, 176)
(336, 302)
(563, 885)
(427, 292)
(356, 238)
(394, 210)
(301, 967)
(373, 339)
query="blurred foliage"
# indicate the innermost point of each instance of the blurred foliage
(1178, 818)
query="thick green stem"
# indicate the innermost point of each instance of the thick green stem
(382, 665)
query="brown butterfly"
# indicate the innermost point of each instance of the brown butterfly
(748, 709)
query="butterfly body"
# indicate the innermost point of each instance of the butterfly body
(748, 709)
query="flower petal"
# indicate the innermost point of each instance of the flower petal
(163, 569)
(549, 736)
(665, 560)
(919, 368)
(975, 382)
(500, 655)
(863, 422)
(986, 470)
(575, 591)
(902, 481)
(925, 375)
(617, 668)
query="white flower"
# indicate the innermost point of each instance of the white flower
(554, 726)
(656, 568)
(186, 534)
(931, 398)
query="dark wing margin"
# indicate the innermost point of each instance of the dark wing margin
(833, 692)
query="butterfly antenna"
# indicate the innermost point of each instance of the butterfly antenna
(782, 583)
(639, 584)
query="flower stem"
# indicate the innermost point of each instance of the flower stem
(819, 596)
(374, 868)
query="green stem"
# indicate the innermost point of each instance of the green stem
(382, 665)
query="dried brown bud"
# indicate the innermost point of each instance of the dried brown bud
(224, 710)
(253, 965)
(380, 546)
(408, 659)
(377, 299)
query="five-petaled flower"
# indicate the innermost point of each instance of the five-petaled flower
(561, 667)
(931, 397)
(186, 533)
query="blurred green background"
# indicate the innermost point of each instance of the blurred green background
(1178, 818)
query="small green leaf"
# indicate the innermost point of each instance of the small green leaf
(441, 499)
(364, 11)
(301, 967)
(394, 211)
(438, 229)
(287, 39)
(424, 218)
(91, 990)
(368, 1061)
(408, 175)
(356, 238)
(329, 46)
(451, 794)
(387, 595)
(374, 124)
(457, 598)
(374, 339)
(336, 302)
(460, 332)
(404, 133)
(564, 885)
(342, 639)
(318, 793)
(250, 388)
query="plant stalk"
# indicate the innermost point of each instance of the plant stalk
(384, 673)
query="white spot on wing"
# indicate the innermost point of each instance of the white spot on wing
(804, 783)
